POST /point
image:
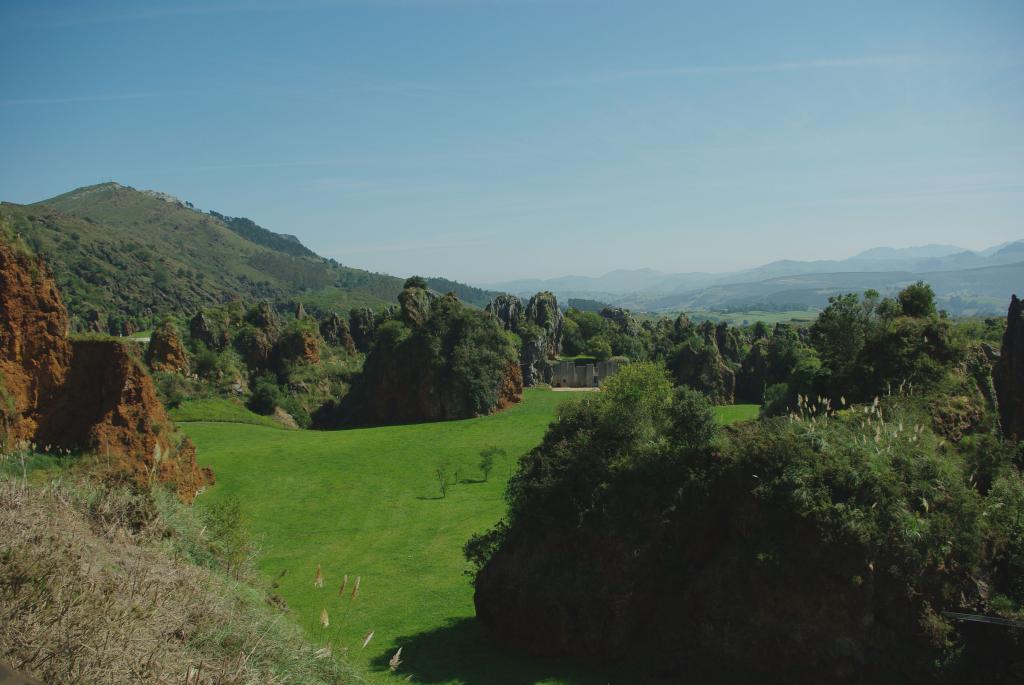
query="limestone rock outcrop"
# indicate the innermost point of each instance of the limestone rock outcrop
(1008, 374)
(334, 330)
(697, 362)
(165, 351)
(543, 311)
(362, 325)
(623, 320)
(415, 306)
(207, 329)
(298, 346)
(509, 311)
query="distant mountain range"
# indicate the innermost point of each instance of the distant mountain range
(966, 282)
(123, 257)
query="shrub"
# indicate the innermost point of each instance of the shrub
(487, 457)
(266, 395)
(824, 545)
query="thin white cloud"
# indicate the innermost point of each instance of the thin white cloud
(84, 98)
(447, 243)
(767, 68)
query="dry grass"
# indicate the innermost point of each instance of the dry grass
(90, 594)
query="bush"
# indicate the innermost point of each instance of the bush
(767, 547)
(266, 395)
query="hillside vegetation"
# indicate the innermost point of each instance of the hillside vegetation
(826, 543)
(125, 257)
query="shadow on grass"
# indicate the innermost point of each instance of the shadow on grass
(458, 652)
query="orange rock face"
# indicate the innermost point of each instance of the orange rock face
(511, 390)
(86, 395)
(35, 354)
(165, 352)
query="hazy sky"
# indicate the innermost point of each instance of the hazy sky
(494, 139)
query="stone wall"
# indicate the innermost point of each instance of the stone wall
(569, 374)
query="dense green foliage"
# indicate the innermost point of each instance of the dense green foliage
(438, 360)
(823, 545)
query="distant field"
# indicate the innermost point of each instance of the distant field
(737, 412)
(752, 316)
(220, 411)
(366, 503)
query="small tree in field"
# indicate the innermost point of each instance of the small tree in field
(444, 478)
(487, 457)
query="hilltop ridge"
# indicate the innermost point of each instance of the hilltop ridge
(126, 257)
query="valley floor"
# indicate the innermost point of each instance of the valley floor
(366, 503)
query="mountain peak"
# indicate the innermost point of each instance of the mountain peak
(930, 251)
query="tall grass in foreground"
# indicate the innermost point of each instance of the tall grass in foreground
(101, 584)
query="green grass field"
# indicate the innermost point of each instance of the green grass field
(731, 413)
(366, 503)
(770, 318)
(220, 411)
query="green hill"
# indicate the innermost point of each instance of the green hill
(124, 257)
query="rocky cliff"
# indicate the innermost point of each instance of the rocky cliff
(34, 350)
(1008, 374)
(165, 351)
(90, 395)
(539, 326)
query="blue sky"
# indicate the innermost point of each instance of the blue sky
(495, 139)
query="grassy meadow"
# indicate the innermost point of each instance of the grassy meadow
(367, 503)
(751, 316)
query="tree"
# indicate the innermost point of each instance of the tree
(917, 300)
(444, 478)
(838, 335)
(415, 282)
(487, 457)
(599, 348)
(266, 395)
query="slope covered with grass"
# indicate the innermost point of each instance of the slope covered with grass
(366, 503)
(123, 257)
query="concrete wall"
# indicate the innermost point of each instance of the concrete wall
(572, 375)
